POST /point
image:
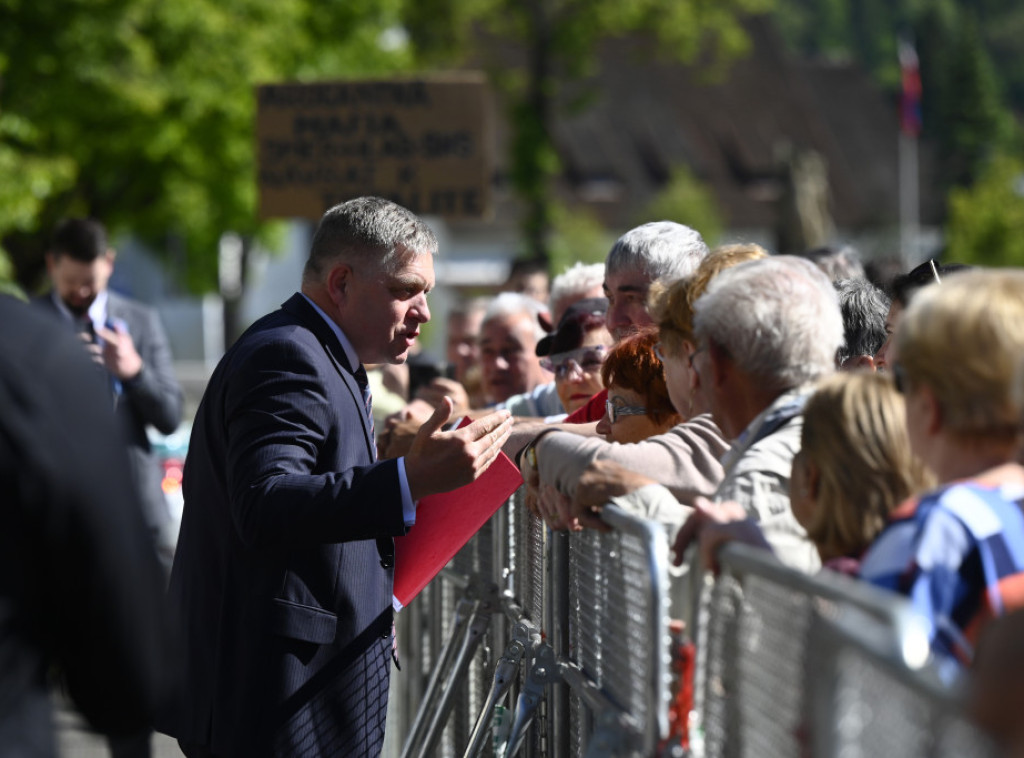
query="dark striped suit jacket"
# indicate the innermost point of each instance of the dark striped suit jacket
(283, 574)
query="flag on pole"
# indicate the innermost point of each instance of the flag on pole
(910, 96)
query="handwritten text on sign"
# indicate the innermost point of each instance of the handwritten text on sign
(426, 144)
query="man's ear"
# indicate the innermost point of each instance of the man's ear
(719, 361)
(339, 278)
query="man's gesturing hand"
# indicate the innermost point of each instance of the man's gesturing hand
(442, 461)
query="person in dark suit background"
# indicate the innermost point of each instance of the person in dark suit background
(81, 592)
(284, 568)
(128, 341)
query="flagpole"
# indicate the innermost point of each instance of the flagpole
(909, 176)
(909, 200)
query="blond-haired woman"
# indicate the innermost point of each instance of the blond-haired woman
(854, 466)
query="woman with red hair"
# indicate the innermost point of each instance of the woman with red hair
(638, 404)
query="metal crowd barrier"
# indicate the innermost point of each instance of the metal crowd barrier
(555, 644)
(866, 703)
(792, 665)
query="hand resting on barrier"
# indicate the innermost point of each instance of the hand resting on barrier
(601, 481)
(715, 524)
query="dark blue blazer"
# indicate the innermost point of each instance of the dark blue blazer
(283, 575)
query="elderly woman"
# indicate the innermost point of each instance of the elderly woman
(638, 404)
(958, 551)
(576, 350)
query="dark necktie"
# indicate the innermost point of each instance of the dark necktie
(364, 384)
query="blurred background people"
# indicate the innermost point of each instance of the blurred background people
(578, 282)
(864, 308)
(508, 356)
(638, 404)
(904, 287)
(575, 351)
(81, 592)
(530, 278)
(838, 263)
(127, 339)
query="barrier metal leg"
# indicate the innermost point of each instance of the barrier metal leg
(524, 639)
(464, 613)
(470, 642)
(542, 672)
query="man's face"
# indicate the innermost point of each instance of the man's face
(77, 284)
(627, 302)
(382, 313)
(508, 360)
(463, 349)
(886, 355)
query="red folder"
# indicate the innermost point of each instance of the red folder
(444, 523)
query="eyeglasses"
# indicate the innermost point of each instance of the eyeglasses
(585, 360)
(694, 354)
(615, 412)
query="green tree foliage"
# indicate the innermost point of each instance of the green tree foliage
(985, 220)
(141, 112)
(576, 236)
(973, 120)
(686, 200)
(559, 39)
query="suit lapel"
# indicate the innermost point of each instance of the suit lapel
(300, 308)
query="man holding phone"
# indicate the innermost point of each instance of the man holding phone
(126, 340)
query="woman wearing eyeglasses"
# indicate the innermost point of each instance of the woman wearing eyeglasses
(576, 350)
(638, 405)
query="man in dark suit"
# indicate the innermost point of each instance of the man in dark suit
(128, 341)
(283, 575)
(81, 593)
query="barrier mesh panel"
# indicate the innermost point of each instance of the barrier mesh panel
(611, 595)
(772, 636)
(879, 714)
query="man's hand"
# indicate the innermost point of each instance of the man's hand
(601, 481)
(442, 461)
(442, 387)
(118, 353)
(715, 524)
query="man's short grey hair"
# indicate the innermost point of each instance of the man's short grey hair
(778, 319)
(513, 304)
(864, 308)
(579, 279)
(659, 250)
(367, 231)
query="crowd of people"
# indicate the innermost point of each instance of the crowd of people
(868, 428)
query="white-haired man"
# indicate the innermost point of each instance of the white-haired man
(658, 251)
(766, 330)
